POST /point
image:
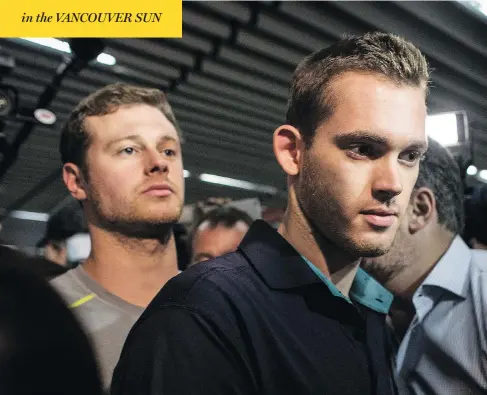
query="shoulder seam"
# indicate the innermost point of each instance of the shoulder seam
(179, 305)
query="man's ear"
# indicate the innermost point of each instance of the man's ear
(422, 209)
(74, 181)
(288, 147)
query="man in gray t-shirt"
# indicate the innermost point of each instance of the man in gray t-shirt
(105, 317)
(122, 161)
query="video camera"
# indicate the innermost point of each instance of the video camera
(9, 96)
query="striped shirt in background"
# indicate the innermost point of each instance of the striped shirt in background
(445, 349)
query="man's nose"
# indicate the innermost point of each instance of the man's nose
(387, 182)
(156, 162)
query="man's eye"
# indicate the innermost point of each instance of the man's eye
(411, 157)
(128, 151)
(362, 150)
(169, 152)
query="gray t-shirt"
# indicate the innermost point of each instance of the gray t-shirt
(106, 318)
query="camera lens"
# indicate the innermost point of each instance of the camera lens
(5, 103)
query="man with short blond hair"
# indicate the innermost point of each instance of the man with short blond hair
(121, 152)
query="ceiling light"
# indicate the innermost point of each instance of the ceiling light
(472, 170)
(443, 128)
(232, 182)
(483, 174)
(53, 43)
(186, 173)
(63, 46)
(29, 215)
(478, 5)
(106, 59)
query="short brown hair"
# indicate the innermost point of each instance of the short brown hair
(390, 56)
(75, 138)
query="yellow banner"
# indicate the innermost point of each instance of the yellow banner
(92, 18)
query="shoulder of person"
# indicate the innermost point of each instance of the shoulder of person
(65, 278)
(478, 275)
(478, 280)
(479, 260)
(478, 272)
(207, 288)
(70, 287)
(211, 276)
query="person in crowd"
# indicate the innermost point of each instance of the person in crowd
(218, 232)
(43, 349)
(66, 241)
(38, 265)
(476, 221)
(290, 312)
(444, 282)
(122, 160)
(34, 264)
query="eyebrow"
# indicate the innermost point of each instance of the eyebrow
(137, 138)
(366, 136)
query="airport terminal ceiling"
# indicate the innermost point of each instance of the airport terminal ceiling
(227, 80)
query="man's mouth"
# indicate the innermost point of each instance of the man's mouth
(162, 189)
(380, 217)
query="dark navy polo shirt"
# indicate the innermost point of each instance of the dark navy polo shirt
(261, 320)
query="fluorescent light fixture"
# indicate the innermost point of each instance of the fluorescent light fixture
(482, 6)
(478, 5)
(53, 43)
(443, 128)
(232, 182)
(472, 170)
(29, 215)
(186, 173)
(106, 59)
(63, 46)
(483, 174)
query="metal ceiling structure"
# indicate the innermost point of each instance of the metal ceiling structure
(227, 80)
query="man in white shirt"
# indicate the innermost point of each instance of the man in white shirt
(122, 160)
(444, 282)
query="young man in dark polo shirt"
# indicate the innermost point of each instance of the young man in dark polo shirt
(291, 312)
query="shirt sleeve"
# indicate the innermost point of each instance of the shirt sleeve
(178, 352)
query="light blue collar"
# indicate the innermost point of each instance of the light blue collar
(365, 290)
(451, 271)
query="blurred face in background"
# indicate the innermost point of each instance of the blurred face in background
(213, 241)
(56, 252)
(67, 252)
(134, 182)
